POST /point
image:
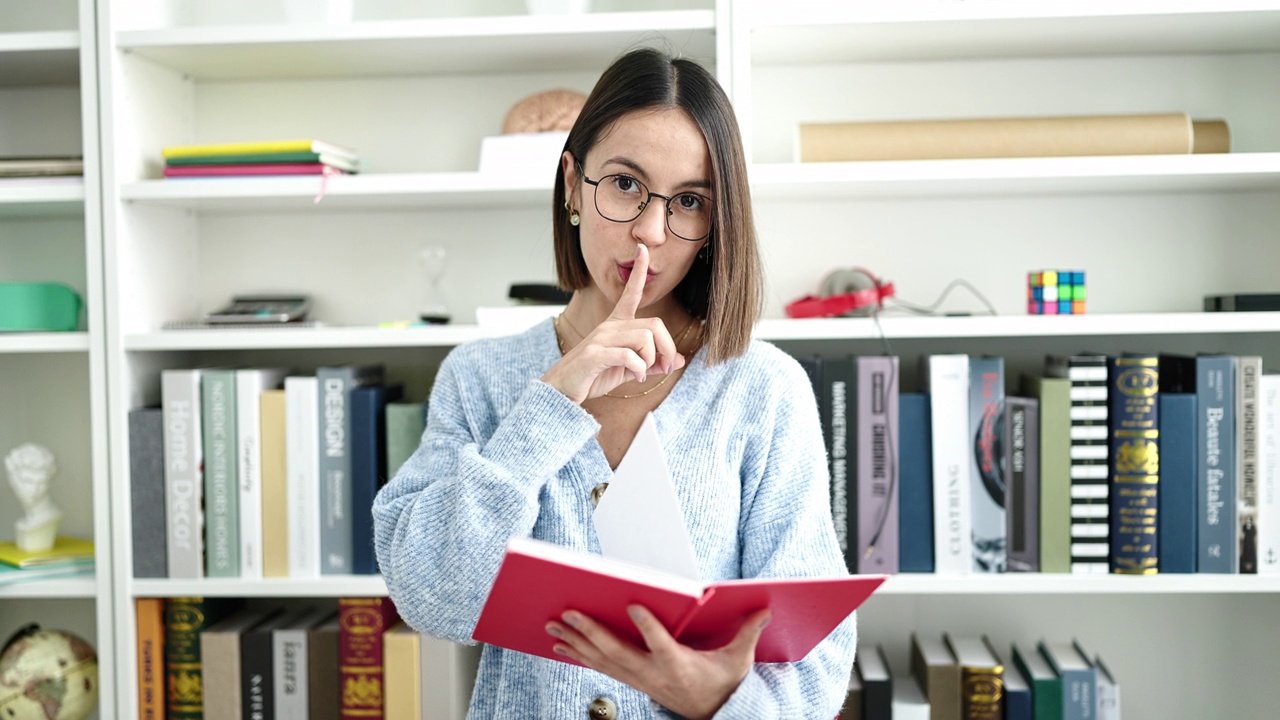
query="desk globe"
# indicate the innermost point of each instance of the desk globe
(47, 675)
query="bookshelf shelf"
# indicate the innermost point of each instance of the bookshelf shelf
(1064, 584)
(60, 588)
(299, 194)
(415, 47)
(39, 58)
(327, 586)
(59, 342)
(1018, 176)
(41, 197)
(888, 31)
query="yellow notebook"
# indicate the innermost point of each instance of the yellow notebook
(65, 550)
(265, 146)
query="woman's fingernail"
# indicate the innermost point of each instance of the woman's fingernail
(572, 618)
(560, 650)
(635, 613)
(554, 631)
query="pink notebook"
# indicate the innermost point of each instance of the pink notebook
(252, 169)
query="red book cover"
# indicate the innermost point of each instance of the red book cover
(251, 169)
(361, 625)
(538, 581)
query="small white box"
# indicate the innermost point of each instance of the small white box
(535, 154)
(515, 317)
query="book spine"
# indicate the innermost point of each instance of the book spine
(1178, 460)
(273, 471)
(289, 673)
(1055, 473)
(184, 619)
(448, 677)
(221, 496)
(982, 693)
(303, 485)
(362, 623)
(1090, 463)
(1022, 440)
(1269, 475)
(877, 484)
(915, 529)
(839, 378)
(334, 452)
(250, 383)
(1216, 527)
(986, 475)
(368, 470)
(1135, 464)
(257, 697)
(146, 492)
(183, 464)
(948, 386)
(1247, 442)
(149, 613)
(405, 423)
(402, 660)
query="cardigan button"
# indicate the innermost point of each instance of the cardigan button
(602, 709)
(597, 492)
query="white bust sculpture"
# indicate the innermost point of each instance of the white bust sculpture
(31, 467)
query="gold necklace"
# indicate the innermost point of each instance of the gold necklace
(683, 333)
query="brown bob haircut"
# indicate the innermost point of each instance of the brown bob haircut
(724, 285)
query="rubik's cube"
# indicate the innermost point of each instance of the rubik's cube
(1055, 292)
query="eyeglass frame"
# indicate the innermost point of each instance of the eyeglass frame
(595, 200)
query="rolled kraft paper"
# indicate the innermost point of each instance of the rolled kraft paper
(1155, 134)
(1211, 136)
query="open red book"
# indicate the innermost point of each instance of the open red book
(538, 581)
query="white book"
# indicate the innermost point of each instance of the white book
(303, 485)
(289, 664)
(909, 702)
(1247, 452)
(1269, 475)
(948, 387)
(448, 676)
(183, 473)
(1108, 692)
(250, 382)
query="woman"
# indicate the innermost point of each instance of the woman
(653, 233)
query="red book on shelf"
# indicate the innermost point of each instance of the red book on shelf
(538, 581)
(361, 624)
(251, 169)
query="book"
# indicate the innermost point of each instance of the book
(935, 667)
(187, 171)
(149, 618)
(263, 146)
(946, 379)
(402, 666)
(872, 670)
(368, 467)
(184, 472)
(222, 502)
(1216, 463)
(1135, 463)
(11, 575)
(338, 161)
(1017, 694)
(981, 677)
(986, 471)
(302, 489)
(226, 695)
(1108, 692)
(839, 380)
(185, 618)
(406, 422)
(915, 470)
(257, 664)
(538, 581)
(1061, 136)
(875, 547)
(66, 550)
(1090, 458)
(146, 492)
(334, 385)
(274, 477)
(249, 384)
(362, 622)
(290, 668)
(1176, 519)
(909, 702)
(1247, 442)
(1054, 395)
(1022, 487)
(1269, 475)
(448, 677)
(324, 695)
(1046, 686)
(1079, 679)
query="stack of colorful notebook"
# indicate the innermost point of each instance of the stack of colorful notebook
(274, 157)
(69, 556)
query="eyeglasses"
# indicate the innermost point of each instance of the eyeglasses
(622, 198)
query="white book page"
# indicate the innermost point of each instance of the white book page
(639, 519)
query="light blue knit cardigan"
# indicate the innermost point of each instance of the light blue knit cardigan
(505, 455)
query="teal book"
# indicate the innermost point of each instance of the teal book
(1135, 463)
(221, 487)
(1216, 475)
(406, 422)
(1046, 686)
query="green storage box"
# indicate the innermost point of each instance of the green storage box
(40, 307)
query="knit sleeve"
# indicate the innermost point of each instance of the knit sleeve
(442, 523)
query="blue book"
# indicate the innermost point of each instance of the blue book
(1135, 463)
(1178, 462)
(1216, 464)
(333, 386)
(1017, 694)
(368, 467)
(915, 471)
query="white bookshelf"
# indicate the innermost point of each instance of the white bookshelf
(415, 94)
(53, 384)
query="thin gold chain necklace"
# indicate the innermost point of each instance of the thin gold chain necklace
(679, 339)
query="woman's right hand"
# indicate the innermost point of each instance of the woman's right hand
(621, 348)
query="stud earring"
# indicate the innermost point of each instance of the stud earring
(574, 218)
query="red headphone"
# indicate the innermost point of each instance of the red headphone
(848, 291)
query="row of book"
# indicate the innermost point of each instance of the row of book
(966, 678)
(222, 660)
(1140, 463)
(263, 472)
(268, 157)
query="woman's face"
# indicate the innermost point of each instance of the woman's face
(664, 150)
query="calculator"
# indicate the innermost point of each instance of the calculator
(244, 309)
